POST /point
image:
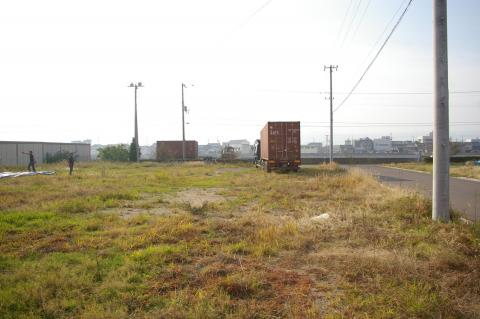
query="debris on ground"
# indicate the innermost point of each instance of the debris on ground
(465, 221)
(17, 174)
(320, 218)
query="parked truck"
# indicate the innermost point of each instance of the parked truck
(279, 146)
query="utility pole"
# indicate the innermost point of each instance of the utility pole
(331, 67)
(441, 159)
(137, 144)
(183, 125)
(326, 140)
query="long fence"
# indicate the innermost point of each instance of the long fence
(12, 152)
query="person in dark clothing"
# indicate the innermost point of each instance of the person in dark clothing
(71, 161)
(31, 163)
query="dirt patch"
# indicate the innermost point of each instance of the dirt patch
(197, 197)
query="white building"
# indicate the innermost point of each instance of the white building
(383, 144)
(242, 147)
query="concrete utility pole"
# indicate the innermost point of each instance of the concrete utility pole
(137, 144)
(441, 158)
(331, 67)
(183, 124)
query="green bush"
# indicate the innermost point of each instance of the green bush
(115, 153)
(133, 151)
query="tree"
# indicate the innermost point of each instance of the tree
(115, 153)
(132, 154)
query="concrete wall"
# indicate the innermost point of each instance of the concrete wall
(11, 152)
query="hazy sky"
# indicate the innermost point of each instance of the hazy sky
(65, 67)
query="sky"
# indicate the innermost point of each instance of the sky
(65, 67)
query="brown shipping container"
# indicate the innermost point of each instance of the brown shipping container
(172, 150)
(280, 142)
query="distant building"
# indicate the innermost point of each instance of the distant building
(347, 149)
(475, 145)
(241, 147)
(337, 149)
(82, 142)
(425, 144)
(212, 150)
(404, 147)
(383, 144)
(363, 145)
(311, 148)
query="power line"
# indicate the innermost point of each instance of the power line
(351, 22)
(367, 93)
(376, 56)
(248, 19)
(344, 124)
(384, 31)
(361, 20)
(414, 106)
(253, 14)
(403, 93)
(340, 31)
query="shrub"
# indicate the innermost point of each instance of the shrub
(57, 157)
(132, 153)
(115, 153)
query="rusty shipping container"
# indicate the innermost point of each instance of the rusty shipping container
(172, 150)
(280, 145)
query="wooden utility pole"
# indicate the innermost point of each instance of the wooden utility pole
(331, 67)
(441, 143)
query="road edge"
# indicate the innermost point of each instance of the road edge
(427, 173)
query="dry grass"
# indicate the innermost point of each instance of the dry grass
(456, 169)
(67, 251)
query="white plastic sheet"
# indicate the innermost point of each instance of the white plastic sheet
(17, 174)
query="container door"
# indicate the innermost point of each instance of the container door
(292, 141)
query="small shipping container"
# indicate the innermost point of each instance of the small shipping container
(172, 150)
(280, 145)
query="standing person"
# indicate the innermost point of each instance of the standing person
(71, 161)
(31, 163)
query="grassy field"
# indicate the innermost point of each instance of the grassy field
(228, 241)
(456, 169)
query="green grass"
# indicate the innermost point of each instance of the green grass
(456, 169)
(152, 240)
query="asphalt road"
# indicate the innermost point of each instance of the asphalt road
(464, 193)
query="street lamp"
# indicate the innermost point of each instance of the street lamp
(137, 145)
(184, 109)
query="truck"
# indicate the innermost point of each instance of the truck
(279, 147)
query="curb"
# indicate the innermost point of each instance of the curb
(422, 172)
